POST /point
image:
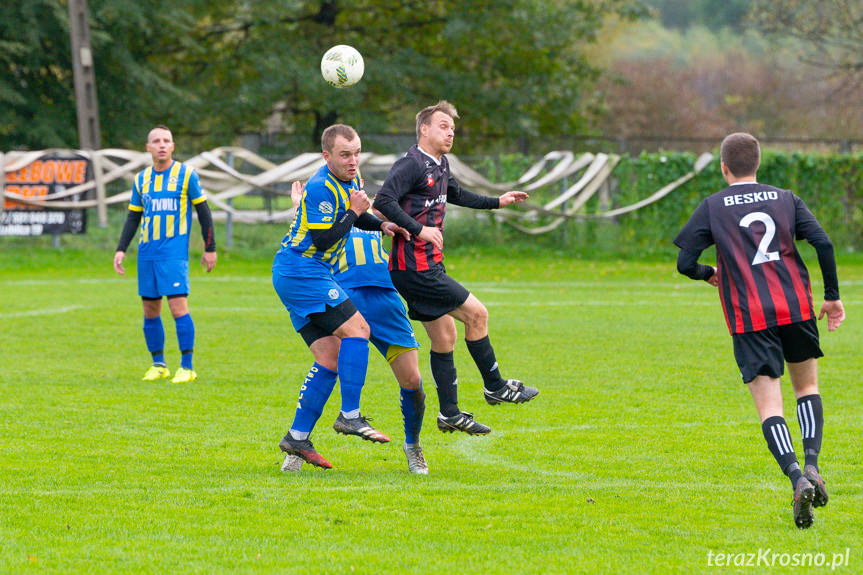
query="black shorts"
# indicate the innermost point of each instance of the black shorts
(430, 293)
(765, 352)
(325, 323)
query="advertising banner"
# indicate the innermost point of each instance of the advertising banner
(48, 176)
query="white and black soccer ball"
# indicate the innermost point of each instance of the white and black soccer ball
(342, 66)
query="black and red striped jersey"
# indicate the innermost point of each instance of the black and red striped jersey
(415, 194)
(763, 281)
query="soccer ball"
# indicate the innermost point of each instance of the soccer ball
(342, 66)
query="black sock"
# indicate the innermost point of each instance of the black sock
(779, 442)
(445, 381)
(483, 356)
(810, 415)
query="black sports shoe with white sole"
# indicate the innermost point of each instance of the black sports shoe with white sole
(513, 391)
(304, 449)
(463, 421)
(360, 427)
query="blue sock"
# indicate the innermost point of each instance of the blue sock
(353, 363)
(413, 404)
(154, 335)
(186, 338)
(314, 394)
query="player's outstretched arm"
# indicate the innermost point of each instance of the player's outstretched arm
(835, 313)
(512, 197)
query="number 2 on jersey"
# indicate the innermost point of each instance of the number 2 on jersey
(762, 255)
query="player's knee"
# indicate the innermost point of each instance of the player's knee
(478, 317)
(443, 341)
(364, 331)
(411, 381)
(360, 329)
(326, 353)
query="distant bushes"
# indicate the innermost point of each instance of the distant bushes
(830, 184)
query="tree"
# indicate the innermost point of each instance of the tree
(830, 29)
(214, 70)
(712, 14)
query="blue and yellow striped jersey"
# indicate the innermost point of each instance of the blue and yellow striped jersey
(325, 200)
(166, 199)
(363, 262)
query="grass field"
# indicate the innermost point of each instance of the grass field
(642, 454)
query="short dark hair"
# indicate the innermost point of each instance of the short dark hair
(741, 152)
(328, 138)
(159, 127)
(424, 115)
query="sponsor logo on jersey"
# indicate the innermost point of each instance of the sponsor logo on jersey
(325, 208)
(163, 204)
(751, 198)
(441, 199)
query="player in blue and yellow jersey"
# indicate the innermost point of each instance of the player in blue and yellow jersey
(331, 205)
(362, 270)
(163, 196)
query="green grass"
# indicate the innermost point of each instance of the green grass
(642, 454)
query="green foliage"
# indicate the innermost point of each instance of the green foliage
(830, 184)
(829, 29)
(714, 14)
(214, 70)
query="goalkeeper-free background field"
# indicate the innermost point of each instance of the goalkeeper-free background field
(642, 453)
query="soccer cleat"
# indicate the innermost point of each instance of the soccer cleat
(303, 449)
(821, 498)
(156, 372)
(463, 421)
(292, 463)
(360, 427)
(804, 493)
(513, 391)
(416, 460)
(184, 375)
